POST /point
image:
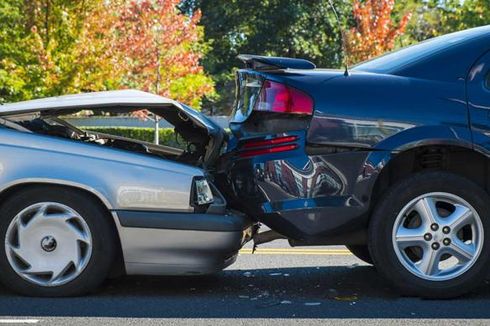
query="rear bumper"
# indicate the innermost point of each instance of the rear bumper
(315, 198)
(162, 243)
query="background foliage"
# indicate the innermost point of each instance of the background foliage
(167, 135)
(186, 49)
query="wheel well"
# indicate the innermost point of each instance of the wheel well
(13, 190)
(458, 160)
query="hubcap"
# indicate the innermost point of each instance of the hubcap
(437, 236)
(48, 244)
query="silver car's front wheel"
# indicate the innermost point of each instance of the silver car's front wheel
(438, 236)
(48, 244)
(57, 241)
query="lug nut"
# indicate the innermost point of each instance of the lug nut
(446, 229)
(434, 227)
(446, 241)
(427, 237)
(435, 245)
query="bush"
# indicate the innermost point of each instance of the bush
(167, 135)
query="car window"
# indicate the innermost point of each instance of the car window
(411, 54)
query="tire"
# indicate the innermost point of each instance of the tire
(361, 252)
(399, 254)
(76, 249)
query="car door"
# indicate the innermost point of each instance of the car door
(478, 88)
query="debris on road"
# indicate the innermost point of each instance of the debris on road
(312, 303)
(346, 298)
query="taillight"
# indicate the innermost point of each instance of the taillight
(277, 97)
(202, 192)
(277, 149)
(268, 146)
(269, 142)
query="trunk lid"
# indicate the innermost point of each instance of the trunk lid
(189, 123)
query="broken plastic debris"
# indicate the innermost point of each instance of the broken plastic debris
(312, 303)
(346, 298)
(247, 274)
(285, 302)
(275, 274)
(286, 275)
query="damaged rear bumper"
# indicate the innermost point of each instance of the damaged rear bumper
(166, 243)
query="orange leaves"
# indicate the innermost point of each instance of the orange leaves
(375, 32)
(144, 44)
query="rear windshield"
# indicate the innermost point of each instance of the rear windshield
(393, 61)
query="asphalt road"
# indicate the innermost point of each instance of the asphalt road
(277, 286)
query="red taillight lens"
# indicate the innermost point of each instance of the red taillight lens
(277, 97)
(269, 142)
(268, 146)
(277, 149)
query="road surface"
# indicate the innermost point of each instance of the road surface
(276, 286)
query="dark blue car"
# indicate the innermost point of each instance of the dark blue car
(390, 158)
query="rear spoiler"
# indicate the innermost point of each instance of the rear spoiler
(259, 62)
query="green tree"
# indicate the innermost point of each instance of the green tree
(292, 28)
(436, 17)
(54, 47)
(38, 42)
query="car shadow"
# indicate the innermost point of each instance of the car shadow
(308, 292)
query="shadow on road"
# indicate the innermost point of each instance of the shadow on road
(312, 292)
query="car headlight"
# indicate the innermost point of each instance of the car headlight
(202, 192)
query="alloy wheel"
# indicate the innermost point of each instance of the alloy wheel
(438, 236)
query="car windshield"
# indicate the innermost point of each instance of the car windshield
(392, 61)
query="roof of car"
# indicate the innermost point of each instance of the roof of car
(87, 101)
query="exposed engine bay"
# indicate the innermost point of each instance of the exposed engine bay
(193, 139)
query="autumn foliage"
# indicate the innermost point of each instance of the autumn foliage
(92, 45)
(375, 31)
(151, 46)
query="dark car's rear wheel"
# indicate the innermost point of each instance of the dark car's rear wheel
(361, 252)
(427, 235)
(57, 242)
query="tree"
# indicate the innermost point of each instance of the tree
(375, 31)
(38, 46)
(54, 47)
(457, 15)
(13, 58)
(294, 28)
(160, 49)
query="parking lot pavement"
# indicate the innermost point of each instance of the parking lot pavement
(277, 285)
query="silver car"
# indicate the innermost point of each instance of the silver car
(77, 206)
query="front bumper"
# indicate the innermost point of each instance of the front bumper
(165, 243)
